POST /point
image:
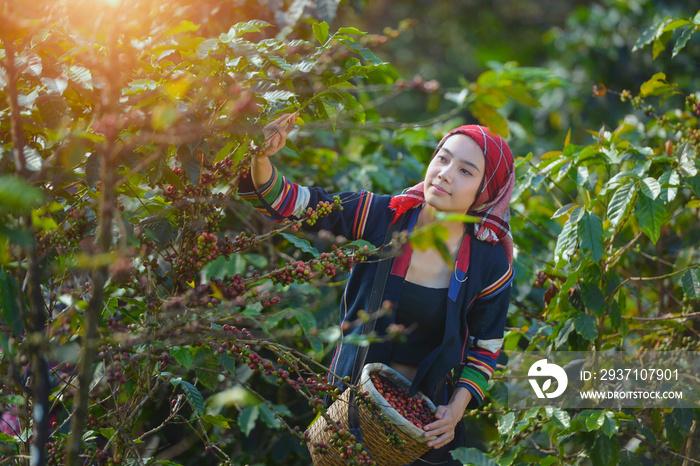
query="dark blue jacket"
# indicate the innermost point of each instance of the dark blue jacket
(477, 304)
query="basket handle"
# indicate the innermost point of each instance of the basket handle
(375, 300)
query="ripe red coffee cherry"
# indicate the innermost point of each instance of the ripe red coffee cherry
(415, 410)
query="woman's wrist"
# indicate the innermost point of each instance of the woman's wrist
(260, 171)
(460, 399)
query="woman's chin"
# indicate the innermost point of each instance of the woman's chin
(436, 203)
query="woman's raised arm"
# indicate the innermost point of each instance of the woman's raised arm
(275, 139)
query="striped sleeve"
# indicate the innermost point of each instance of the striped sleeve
(486, 322)
(278, 198)
(498, 286)
(479, 366)
(363, 214)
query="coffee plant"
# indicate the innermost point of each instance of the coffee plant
(149, 316)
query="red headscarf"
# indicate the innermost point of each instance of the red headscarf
(492, 202)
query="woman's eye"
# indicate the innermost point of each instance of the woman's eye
(466, 172)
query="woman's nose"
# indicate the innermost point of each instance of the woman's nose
(444, 174)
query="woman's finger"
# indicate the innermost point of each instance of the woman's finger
(440, 411)
(282, 119)
(272, 145)
(270, 130)
(289, 123)
(442, 440)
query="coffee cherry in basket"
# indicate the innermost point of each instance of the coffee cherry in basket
(415, 410)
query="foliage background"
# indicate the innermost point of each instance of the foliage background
(106, 106)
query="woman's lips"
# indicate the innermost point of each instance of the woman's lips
(440, 191)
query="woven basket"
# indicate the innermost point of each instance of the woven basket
(374, 433)
(338, 411)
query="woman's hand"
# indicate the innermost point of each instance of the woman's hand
(276, 134)
(447, 418)
(444, 428)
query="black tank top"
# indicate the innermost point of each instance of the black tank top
(422, 311)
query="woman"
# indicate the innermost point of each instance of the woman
(457, 311)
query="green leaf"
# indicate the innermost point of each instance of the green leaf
(225, 151)
(660, 43)
(351, 30)
(506, 423)
(18, 196)
(595, 420)
(159, 228)
(648, 36)
(562, 335)
(489, 116)
(577, 214)
(674, 432)
(650, 215)
(206, 367)
(227, 362)
(619, 202)
(183, 26)
(610, 424)
(81, 76)
(472, 456)
(205, 47)
(9, 305)
(222, 267)
(277, 96)
(302, 244)
(593, 298)
(590, 233)
(193, 396)
(684, 417)
(183, 355)
(328, 111)
(321, 32)
(651, 187)
(432, 235)
(8, 438)
(564, 209)
(585, 326)
(268, 417)
(354, 108)
(605, 450)
(675, 24)
(691, 283)
(189, 162)
(247, 418)
(460, 218)
(254, 25)
(669, 182)
(366, 54)
(107, 432)
(657, 85)
(499, 390)
(686, 160)
(308, 322)
(683, 39)
(566, 241)
(526, 420)
(627, 458)
(560, 416)
(217, 420)
(256, 260)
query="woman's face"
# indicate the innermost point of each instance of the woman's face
(454, 175)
